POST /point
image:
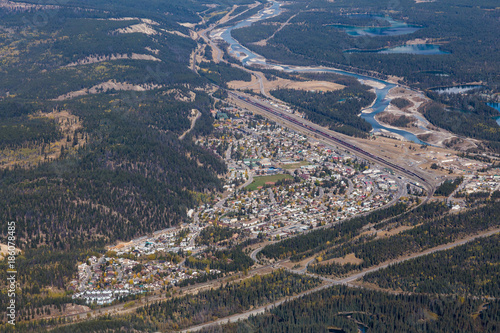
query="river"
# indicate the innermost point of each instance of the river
(496, 106)
(248, 57)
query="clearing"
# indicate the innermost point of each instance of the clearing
(259, 182)
(292, 166)
(347, 259)
(281, 83)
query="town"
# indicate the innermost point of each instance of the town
(279, 183)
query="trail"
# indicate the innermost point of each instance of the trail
(193, 123)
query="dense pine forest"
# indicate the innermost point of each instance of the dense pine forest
(438, 231)
(337, 110)
(466, 34)
(447, 187)
(90, 121)
(231, 260)
(341, 309)
(217, 303)
(302, 246)
(471, 269)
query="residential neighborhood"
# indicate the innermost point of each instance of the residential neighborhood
(279, 183)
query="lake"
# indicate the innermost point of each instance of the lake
(456, 89)
(396, 28)
(250, 57)
(422, 49)
(497, 107)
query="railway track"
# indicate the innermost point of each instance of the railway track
(330, 137)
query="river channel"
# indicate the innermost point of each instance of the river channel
(248, 57)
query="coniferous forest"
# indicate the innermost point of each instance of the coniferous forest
(110, 130)
(470, 269)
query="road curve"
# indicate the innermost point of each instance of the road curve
(343, 281)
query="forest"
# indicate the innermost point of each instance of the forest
(465, 115)
(337, 110)
(447, 187)
(350, 310)
(229, 260)
(19, 131)
(440, 230)
(302, 246)
(469, 270)
(222, 73)
(400, 103)
(127, 174)
(314, 37)
(182, 311)
(190, 310)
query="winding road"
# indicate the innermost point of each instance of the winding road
(332, 282)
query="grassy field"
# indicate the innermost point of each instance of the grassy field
(261, 181)
(294, 165)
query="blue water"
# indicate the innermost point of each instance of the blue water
(235, 46)
(396, 28)
(381, 101)
(497, 107)
(422, 49)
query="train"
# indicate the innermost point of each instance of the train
(328, 136)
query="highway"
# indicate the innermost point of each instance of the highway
(324, 134)
(332, 282)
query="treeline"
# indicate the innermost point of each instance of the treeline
(441, 230)
(469, 121)
(448, 186)
(244, 16)
(312, 242)
(396, 120)
(335, 109)
(312, 39)
(470, 269)
(40, 273)
(222, 73)
(230, 260)
(189, 310)
(350, 310)
(28, 131)
(40, 71)
(400, 103)
(133, 176)
(184, 311)
(214, 234)
(125, 160)
(302, 246)
(422, 214)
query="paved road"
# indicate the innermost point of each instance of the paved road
(283, 119)
(271, 196)
(254, 253)
(332, 282)
(221, 202)
(329, 282)
(350, 187)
